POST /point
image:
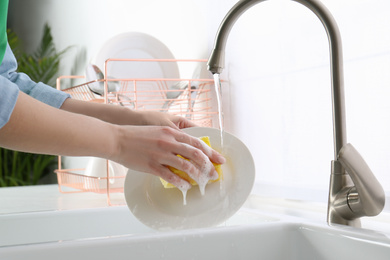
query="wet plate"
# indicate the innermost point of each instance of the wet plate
(163, 209)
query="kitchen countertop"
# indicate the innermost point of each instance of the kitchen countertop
(47, 198)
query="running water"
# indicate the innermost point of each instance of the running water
(218, 92)
(203, 181)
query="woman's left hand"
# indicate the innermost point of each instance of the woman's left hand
(165, 119)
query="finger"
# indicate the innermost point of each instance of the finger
(173, 125)
(199, 144)
(198, 166)
(214, 156)
(174, 179)
(182, 122)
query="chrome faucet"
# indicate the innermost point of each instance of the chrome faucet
(354, 191)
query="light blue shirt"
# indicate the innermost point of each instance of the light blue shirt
(12, 82)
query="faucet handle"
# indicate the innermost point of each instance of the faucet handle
(367, 197)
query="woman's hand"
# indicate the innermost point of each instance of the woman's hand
(164, 119)
(151, 148)
(149, 141)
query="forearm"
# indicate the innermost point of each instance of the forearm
(109, 113)
(39, 128)
(124, 116)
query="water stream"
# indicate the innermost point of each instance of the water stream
(218, 92)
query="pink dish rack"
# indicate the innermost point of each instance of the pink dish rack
(195, 101)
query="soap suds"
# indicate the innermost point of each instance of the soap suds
(184, 189)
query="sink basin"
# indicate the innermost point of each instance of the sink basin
(263, 229)
(52, 226)
(271, 238)
(77, 226)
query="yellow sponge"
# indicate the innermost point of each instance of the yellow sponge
(185, 176)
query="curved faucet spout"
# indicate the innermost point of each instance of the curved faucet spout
(216, 60)
(341, 185)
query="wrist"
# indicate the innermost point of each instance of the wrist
(114, 149)
(124, 116)
(138, 117)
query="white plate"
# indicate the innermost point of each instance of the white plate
(163, 209)
(136, 45)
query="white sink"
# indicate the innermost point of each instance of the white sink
(52, 226)
(114, 233)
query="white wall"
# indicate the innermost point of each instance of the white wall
(277, 66)
(182, 25)
(284, 64)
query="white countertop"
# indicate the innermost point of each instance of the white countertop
(47, 198)
(44, 198)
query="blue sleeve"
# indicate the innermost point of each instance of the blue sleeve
(8, 96)
(12, 82)
(39, 91)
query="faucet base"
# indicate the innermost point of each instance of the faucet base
(334, 219)
(339, 188)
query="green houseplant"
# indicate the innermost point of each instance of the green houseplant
(19, 168)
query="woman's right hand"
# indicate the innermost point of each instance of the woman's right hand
(151, 149)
